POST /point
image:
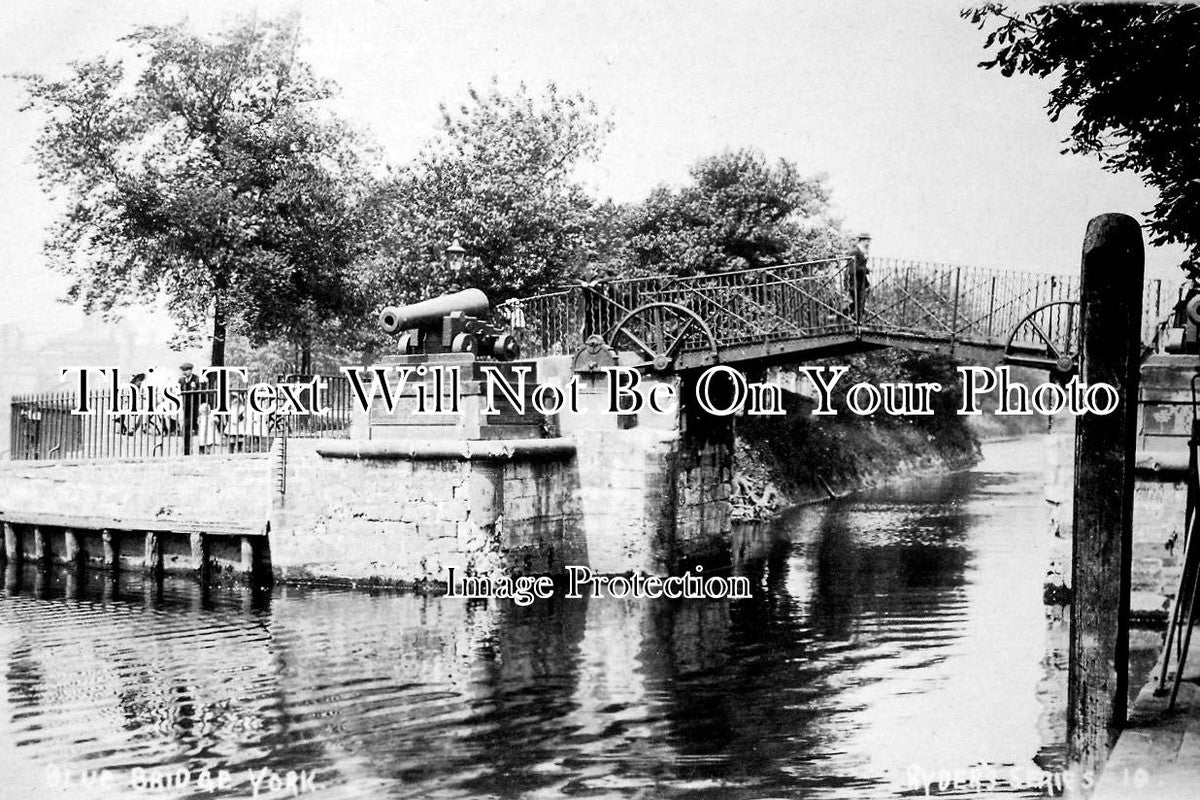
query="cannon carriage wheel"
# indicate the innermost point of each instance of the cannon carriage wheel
(1056, 326)
(658, 332)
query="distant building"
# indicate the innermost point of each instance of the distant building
(33, 362)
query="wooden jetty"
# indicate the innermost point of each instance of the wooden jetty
(154, 546)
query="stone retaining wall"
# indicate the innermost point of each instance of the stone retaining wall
(635, 492)
(1159, 501)
(405, 520)
(1158, 507)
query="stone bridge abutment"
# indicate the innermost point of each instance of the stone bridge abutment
(638, 492)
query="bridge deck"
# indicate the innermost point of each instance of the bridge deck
(799, 312)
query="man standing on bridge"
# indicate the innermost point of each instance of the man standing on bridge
(857, 283)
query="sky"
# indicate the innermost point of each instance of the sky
(935, 158)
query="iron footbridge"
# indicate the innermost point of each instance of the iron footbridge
(793, 313)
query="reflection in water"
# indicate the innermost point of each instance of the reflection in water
(901, 627)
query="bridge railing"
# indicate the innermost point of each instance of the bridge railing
(744, 307)
(959, 304)
(792, 301)
(548, 324)
(905, 299)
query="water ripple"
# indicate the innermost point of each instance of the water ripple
(860, 656)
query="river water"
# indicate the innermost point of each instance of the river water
(892, 636)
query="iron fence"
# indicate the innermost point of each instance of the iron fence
(337, 398)
(747, 307)
(912, 299)
(44, 426)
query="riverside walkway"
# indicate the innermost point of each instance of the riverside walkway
(792, 312)
(1158, 753)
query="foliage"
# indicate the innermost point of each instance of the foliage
(278, 358)
(208, 175)
(898, 365)
(1130, 72)
(739, 212)
(802, 451)
(499, 178)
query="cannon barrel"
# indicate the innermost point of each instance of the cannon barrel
(429, 313)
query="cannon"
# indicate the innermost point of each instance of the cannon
(452, 323)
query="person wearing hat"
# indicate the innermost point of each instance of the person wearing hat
(189, 390)
(858, 283)
(129, 422)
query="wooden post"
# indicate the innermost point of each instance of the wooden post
(12, 579)
(247, 565)
(12, 544)
(71, 550)
(1110, 310)
(152, 554)
(109, 557)
(39, 547)
(199, 562)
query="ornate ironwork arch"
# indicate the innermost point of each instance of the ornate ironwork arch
(659, 332)
(1047, 338)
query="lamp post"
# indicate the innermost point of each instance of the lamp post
(456, 256)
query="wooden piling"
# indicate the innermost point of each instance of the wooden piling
(199, 563)
(12, 579)
(12, 545)
(40, 552)
(152, 554)
(71, 549)
(109, 552)
(247, 565)
(1111, 310)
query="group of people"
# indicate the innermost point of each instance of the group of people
(207, 430)
(203, 431)
(201, 426)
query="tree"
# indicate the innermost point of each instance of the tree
(499, 177)
(739, 212)
(210, 177)
(320, 238)
(1130, 73)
